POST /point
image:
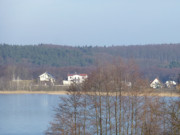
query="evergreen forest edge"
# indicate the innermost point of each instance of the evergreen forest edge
(28, 61)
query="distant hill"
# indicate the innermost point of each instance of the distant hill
(148, 57)
(46, 55)
(165, 55)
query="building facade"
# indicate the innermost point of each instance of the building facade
(156, 84)
(75, 78)
(46, 79)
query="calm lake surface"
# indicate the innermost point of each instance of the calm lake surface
(26, 114)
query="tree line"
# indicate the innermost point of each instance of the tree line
(167, 55)
(161, 61)
(42, 55)
(99, 106)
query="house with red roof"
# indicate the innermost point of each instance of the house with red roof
(75, 78)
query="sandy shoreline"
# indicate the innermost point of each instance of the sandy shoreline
(160, 94)
(34, 92)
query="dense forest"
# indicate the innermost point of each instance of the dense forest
(161, 61)
(165, 55)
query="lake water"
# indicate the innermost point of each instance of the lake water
(26, 114)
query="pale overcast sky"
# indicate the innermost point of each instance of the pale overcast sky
(89, 22)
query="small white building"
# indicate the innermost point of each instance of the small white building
(46, 78)
(75, 78)
(170, 84)
(156, 84)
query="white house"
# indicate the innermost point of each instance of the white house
(47, 78)
(170, 84)
(156, 84)
(75, 78)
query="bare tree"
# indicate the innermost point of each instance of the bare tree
(67, 120)
(99, 105)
